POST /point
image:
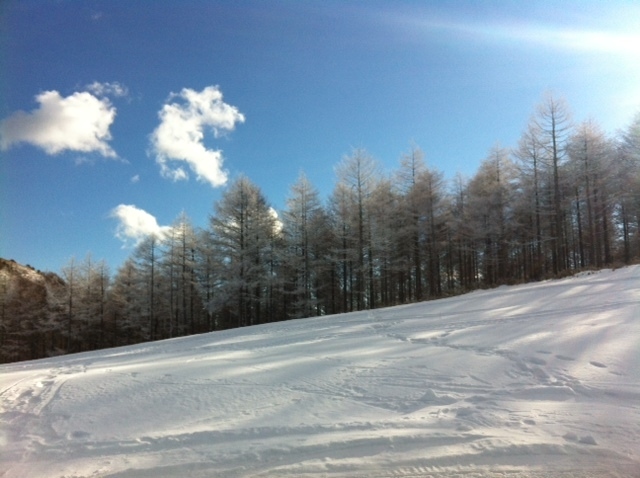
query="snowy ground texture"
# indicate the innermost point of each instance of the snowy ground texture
(540, 380)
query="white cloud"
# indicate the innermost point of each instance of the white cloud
(79, 122)
(179, 137)
(135, 179)
(108, 89)
(136, 224)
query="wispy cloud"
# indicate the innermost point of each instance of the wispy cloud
(135, 224)
(593, 28)
(561, 38)
(179, 137)
(80, 160)
(114, 89)
(135, 179)
(597, 42)
(79, 122)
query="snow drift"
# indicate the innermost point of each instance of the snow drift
(534, 380)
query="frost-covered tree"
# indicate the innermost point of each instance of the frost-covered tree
(242, 232)
(344, 252)
(94, 279)
(553, 126)
(461, 233)
(207, 264)
(147, 257)
(188, 305)
(422, 227)
(591, 159)
(125, 307)
(390, 240)
(533, 208)
(490, 199)
(412, 169)
(626, 183)
(430, 189)
(358, 175)
(71, 276)
(302, 254)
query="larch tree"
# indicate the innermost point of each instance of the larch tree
(389, 241)
(124, 306)
(627, 184)
(412, 168)
(343, 252)
(242, 230)
(300, 256)
(358, 174)
(530, 157)
(430, 193)
(591, 156)
(462, 234)
(94, 279)
(147, 256)
(188, 305)
(207, 263)
(71, 276)
(490, 192)
(553, 124)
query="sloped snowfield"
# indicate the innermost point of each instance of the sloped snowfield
(540, 380)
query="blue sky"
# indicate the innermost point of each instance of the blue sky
(106, 106)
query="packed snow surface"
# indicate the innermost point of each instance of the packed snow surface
(539, 380)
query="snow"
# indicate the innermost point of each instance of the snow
(537, 380)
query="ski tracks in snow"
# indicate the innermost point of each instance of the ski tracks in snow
(533, 381)
(27, 425)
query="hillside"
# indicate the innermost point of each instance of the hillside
(27, 306)
(538, 380)
(13, 275)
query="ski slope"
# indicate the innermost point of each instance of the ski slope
(539, 380)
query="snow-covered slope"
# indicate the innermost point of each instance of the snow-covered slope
(535, 380)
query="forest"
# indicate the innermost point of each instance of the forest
(564, 199)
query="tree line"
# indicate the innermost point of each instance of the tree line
(565, 198)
